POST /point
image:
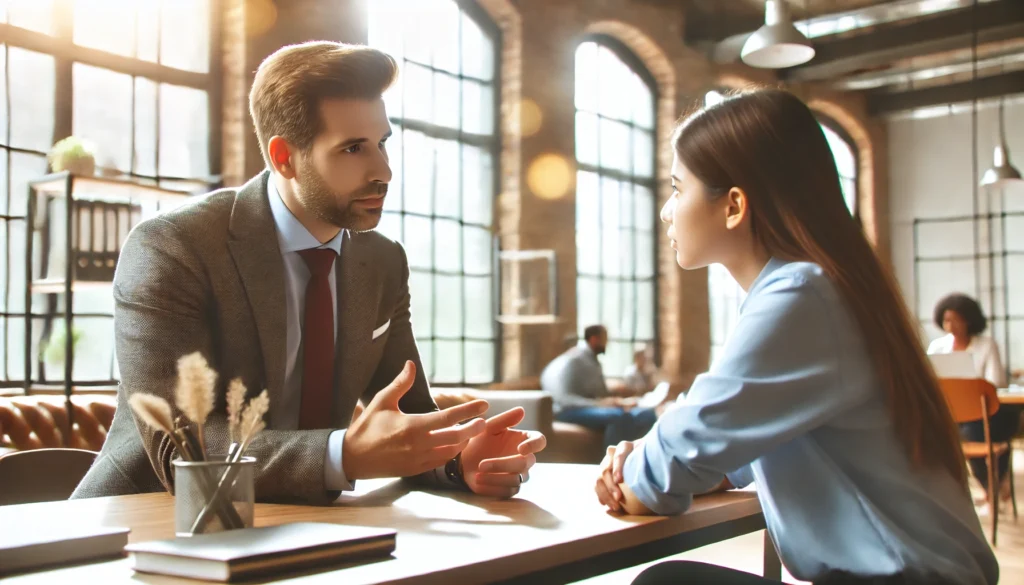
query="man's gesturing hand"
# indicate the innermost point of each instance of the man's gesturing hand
(498, 461)
(385, 442)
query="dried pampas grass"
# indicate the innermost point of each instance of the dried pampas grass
(156, 412)
(194, 392)
(236, 399)
(252, 418)
(194, 395)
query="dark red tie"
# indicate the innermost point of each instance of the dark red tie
(317, 342)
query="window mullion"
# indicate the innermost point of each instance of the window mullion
(63, 14)
(215, 91)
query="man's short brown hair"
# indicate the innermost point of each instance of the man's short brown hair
(290, 84)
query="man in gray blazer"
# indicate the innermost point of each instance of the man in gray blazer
(283, 283)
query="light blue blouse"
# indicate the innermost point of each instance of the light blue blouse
(794, 403)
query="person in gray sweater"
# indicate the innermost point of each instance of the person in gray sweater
(575, 381)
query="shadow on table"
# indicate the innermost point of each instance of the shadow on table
(519, 511)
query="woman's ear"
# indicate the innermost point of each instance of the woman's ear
(736, 208)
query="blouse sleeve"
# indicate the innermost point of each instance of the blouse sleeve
(994, 371)
(779, 376)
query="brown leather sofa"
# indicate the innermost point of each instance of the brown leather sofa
(40, 421)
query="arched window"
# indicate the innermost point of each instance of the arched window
(846, 164)
(724, 295)
(616, 212)
(444, 154)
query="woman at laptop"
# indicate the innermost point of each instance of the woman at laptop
(962, 319)
(964, 322)
(823, 393)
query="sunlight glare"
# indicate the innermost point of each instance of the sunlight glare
(530, 117)
(550, 176)
(260, 17)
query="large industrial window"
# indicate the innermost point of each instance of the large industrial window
(444, 156)
(616, 212)
(134, 77)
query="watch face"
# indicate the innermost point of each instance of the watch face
(453, 470)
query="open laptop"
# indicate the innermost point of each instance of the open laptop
(958, 364)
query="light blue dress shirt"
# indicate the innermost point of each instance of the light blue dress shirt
(292, 237)
(794, 403)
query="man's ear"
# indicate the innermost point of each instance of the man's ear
(737, 208)
(280, 153)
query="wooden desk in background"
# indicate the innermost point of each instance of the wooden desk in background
(553, 532)
(1006, 397)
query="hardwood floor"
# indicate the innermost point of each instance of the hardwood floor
(744, 553)
(1010, 551)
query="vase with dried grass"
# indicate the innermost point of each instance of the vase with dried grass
(213, 491)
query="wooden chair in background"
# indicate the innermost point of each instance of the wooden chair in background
(971, 400)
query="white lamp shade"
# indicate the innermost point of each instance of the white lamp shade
(777, 44)
(1002, 173)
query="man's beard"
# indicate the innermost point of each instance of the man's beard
(326, 205)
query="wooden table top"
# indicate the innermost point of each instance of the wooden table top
(443, 537)
(1007, 397)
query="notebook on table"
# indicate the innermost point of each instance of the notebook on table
(29, 547)
(239, 554)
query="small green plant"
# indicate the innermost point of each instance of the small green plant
(73, 154)
(53, 350)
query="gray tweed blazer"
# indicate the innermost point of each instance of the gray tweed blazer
(209, 277)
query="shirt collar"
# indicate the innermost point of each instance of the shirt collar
(772, 265)
(292, 236)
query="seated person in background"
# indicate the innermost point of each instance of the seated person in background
(575, 381)
(962, 319)
(640, 376)
(641, 379)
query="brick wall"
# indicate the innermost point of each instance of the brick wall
(551, 32)
(253, 29)
(539, 39)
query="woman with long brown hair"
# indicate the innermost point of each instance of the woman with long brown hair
(823, 393)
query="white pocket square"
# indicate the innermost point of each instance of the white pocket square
(380, 330)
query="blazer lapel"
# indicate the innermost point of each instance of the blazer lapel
(358, 298)
(257, 257)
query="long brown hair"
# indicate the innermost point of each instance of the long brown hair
(769, 144)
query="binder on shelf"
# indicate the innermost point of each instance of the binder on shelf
(102, 213)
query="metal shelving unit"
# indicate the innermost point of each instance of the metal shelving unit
(76, 226)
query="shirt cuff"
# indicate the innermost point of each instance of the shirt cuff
(742, 477)
(639, 477)
(334, 473)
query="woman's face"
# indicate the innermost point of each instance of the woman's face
(954, 323)
(696, 221)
